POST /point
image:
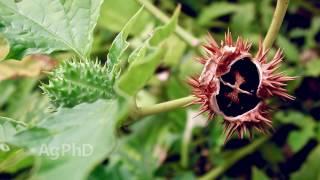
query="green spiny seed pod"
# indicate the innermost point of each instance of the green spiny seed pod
(75, 82)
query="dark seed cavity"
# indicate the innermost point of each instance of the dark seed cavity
(238, 88)
(248, 71)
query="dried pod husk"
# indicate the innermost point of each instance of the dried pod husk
(236, 84)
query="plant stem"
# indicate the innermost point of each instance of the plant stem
(238, 155)
(184, 35)
(276, 22)
(21, 123)
(162, 107)
(184, 153)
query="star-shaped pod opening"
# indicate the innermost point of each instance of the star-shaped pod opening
(238, 88)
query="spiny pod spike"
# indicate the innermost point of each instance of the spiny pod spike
(219, 87)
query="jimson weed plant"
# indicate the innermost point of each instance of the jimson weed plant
(98, 101)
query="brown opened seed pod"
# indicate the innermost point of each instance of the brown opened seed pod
(236, 84)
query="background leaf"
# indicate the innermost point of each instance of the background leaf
(4, 48)
(216, 10)
(298, 139)
(115, 14)
(242, 19)
(140, 71)
(86, 124)
(164, 32)
(311, 169)
(143, 66)
(120, 44)
(259, 175)
(290, 50)
(44, 26)
(312, 68)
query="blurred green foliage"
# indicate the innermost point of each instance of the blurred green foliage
(145, 53)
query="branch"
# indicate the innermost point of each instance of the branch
(184, 35)
(238, 155)
(276, 22)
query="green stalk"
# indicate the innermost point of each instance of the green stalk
(276, 22)
(184, 35)
(140, 112)
(184, 153)
(238, 155)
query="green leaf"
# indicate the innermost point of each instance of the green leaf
(312, 32)
(140, 71)
(318, 131)
(120, 44)
(189, 67)
(7, 128)
(88, 129)
(189, 175)
(298, 32)
(115, 14)
(294, 117)
(15, 160)
(272, 153)
(309, 34)
(215, 10)
(298, 139)
(290, 50)
(312, 68)
(176, 49)
(142, 62)
(142, 152)
(266, 10)
(163, 32)
(44, 26)
(176, 88)
(311, 168)
(243, 18)
(4, 48)
(138, 53)
(12, 159)
(7, 89)
(259, 175)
